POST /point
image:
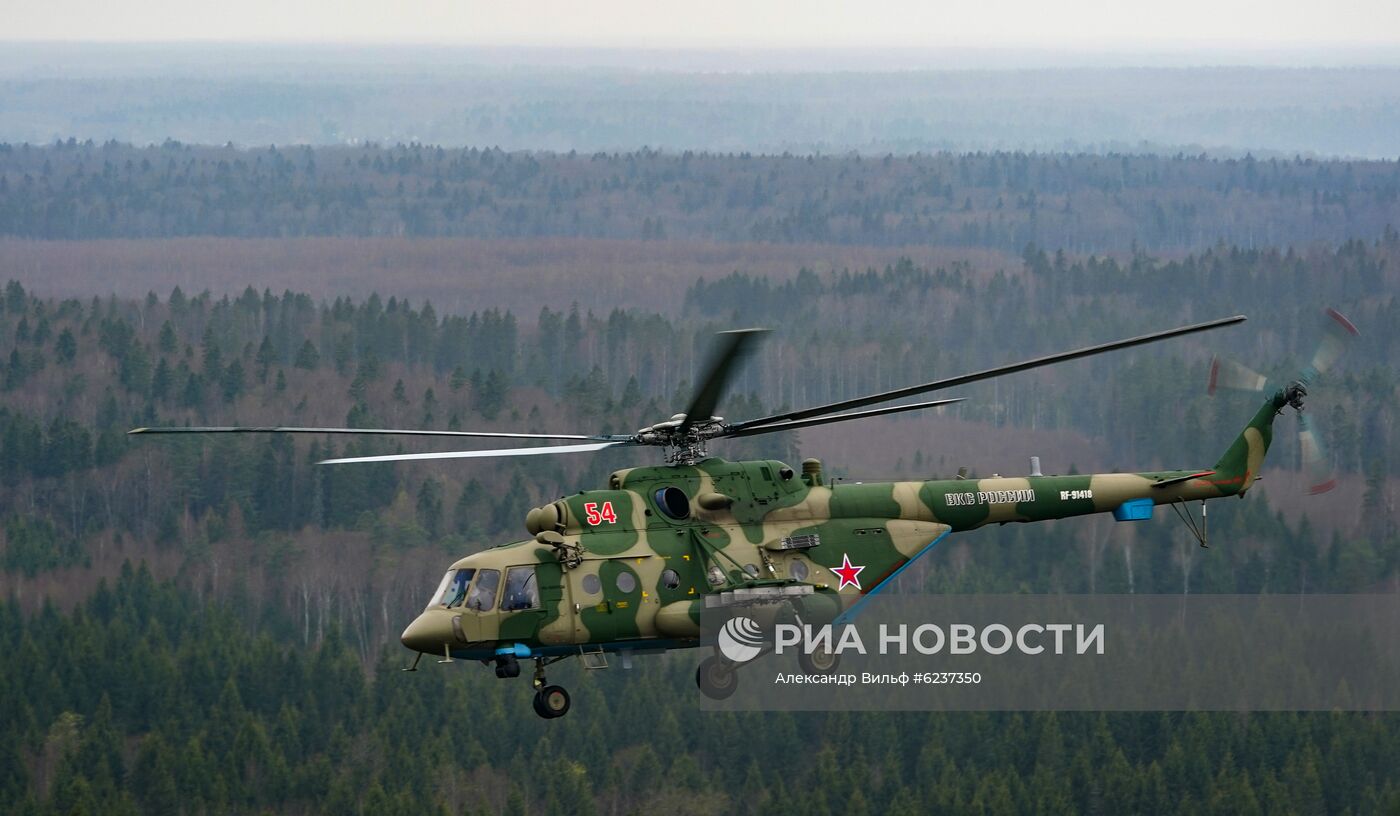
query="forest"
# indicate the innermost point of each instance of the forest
(195, 706)
(210, 625)
(1081, 203)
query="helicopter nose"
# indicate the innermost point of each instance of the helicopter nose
(427, 633)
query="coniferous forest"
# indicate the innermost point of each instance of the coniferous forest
(209, 625)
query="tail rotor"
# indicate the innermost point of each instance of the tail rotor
(1337, 336)
(1235, 376)
(1315, 460)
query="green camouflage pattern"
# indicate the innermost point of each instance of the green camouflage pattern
(614, 571)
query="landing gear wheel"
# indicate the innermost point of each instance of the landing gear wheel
(820, 661)
(716, 679)
(551, 702)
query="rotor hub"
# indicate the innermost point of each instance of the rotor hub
(684, 445)
(1294, 395)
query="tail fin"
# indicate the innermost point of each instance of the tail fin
(1239, 467)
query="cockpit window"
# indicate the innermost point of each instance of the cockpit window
(482, 596)
(441, 591)
(457, 589)
(522, 590)
(453, 589)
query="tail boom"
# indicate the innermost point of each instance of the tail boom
(966, 504)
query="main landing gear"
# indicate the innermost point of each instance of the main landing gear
(718, 677)
(818, 661)
(550, 701)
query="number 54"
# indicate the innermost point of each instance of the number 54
(596, 515)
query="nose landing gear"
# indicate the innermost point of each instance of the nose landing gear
(550, 701)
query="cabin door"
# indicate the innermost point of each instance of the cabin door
(607, 594)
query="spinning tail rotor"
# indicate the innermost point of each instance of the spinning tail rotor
(1338, 334)
(1315, 459)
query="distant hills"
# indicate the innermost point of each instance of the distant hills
(538, 100)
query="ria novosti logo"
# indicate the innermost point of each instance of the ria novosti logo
(740, 639)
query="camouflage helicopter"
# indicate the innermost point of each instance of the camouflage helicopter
(627, 569)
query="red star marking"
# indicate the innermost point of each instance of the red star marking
(849, 574)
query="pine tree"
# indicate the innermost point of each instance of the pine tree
(166, 341)
(267, 355)
(307, 356)
(429, 506)
(192, 395)
(232, 381)
(490, 397)
(66, 347)
(161, 381)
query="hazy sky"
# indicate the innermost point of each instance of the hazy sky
(1076, 24)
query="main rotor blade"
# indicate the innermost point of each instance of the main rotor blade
(807, 423)
(410, 432)
(478, 454)
(729, 353)
(963, 379)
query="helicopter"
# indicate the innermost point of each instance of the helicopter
(627, 569)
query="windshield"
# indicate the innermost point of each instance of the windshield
(453, 589)
(442, 587)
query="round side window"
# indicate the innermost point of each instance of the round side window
(592, 585)
(626, 582)
(798, 570)
(715, 576)
(672, 502)
(670, 579)
(752, 570)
